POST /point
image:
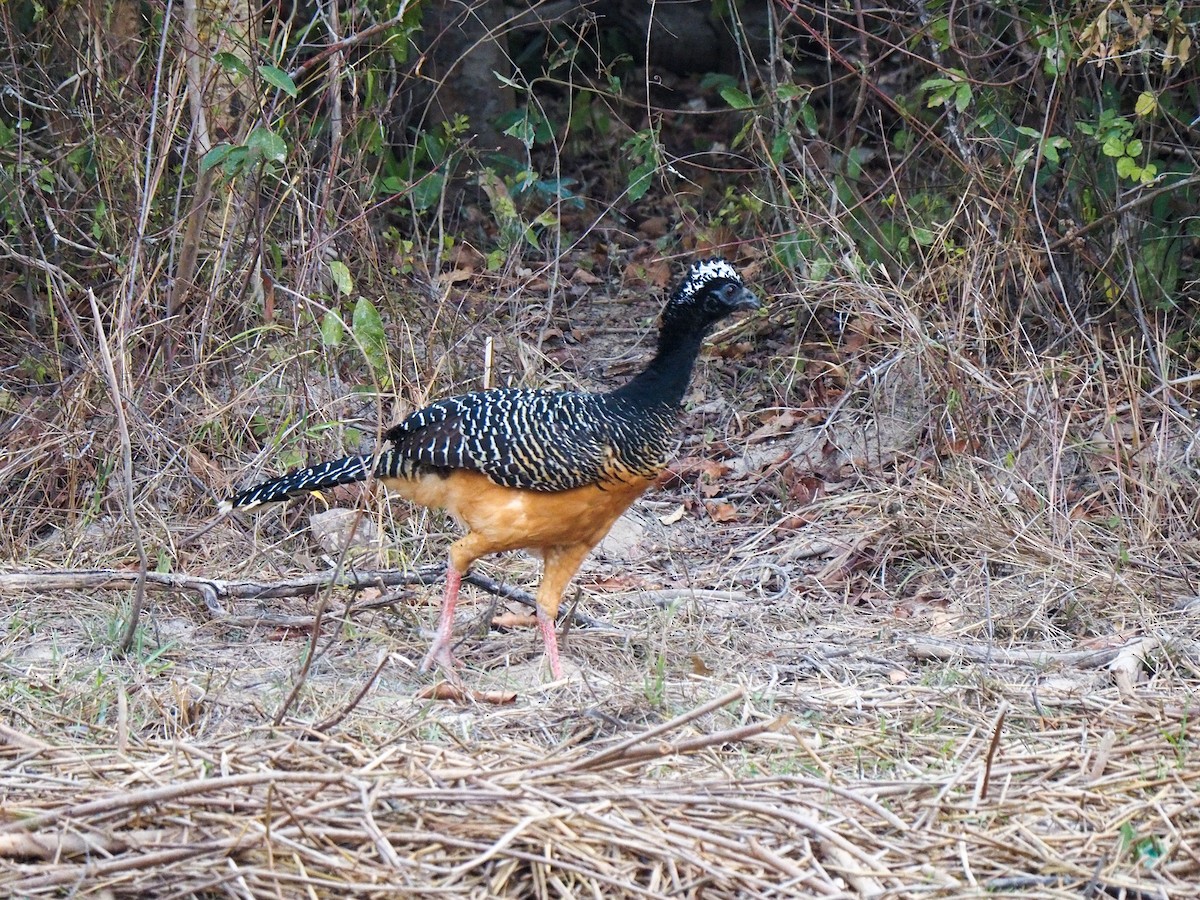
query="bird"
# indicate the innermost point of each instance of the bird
(537, 469)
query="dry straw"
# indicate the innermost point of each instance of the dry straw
(1079, 801)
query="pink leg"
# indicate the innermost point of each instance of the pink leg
(546, 623)
(439, 650)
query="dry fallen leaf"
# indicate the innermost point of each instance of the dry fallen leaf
(1129, 667)
(784, 422)
(804, 489)
(583, 276)
(672, 517)
(464, 256)
(455, 276)
(654, 272)
(690, 468)
(721, 512)
(654, 227)
(514, 620)
(444, 690)
(617, 583)
(338, 528)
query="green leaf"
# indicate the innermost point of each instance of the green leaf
(1146, 104)
(214, 157)
(1127, 167)
(267, 144)
(332, 329)
(99, 215)
(231, 63)
(809, 117)
(736, 98)
(544, 219)
(1133, 148)
(740, 137)
(788, 91)
(279, 79)
(1113, 147)
(779, 147)
(368, 331)
(341, 277)
(717, 80)
(523, 131)
(503, 207)
(236, 159)
(639, 179)
(642, 145)
(392, 184)
(939, 94)
(792, 249)
(426, 190)
(855, 160)
(962, 96)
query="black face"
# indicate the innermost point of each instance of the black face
(716, 299)
(730, 296)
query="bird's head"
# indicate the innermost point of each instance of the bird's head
(711, 290)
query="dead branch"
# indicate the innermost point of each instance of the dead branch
(214, 590)
(933, 648)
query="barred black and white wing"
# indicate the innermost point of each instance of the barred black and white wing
(538, 440)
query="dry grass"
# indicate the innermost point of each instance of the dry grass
(860, 779)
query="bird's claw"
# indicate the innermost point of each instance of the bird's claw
(438, 655)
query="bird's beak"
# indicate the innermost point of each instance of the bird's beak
(746, 300)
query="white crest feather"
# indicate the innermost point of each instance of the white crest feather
(701, 273)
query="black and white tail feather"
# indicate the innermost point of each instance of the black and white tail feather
(346, 470)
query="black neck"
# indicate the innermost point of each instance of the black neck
(664, 381)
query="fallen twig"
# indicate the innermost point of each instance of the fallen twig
(214, 590)
(932, 648)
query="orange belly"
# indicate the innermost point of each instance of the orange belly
(515, 518)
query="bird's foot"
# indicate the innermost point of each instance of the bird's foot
(439, 655)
